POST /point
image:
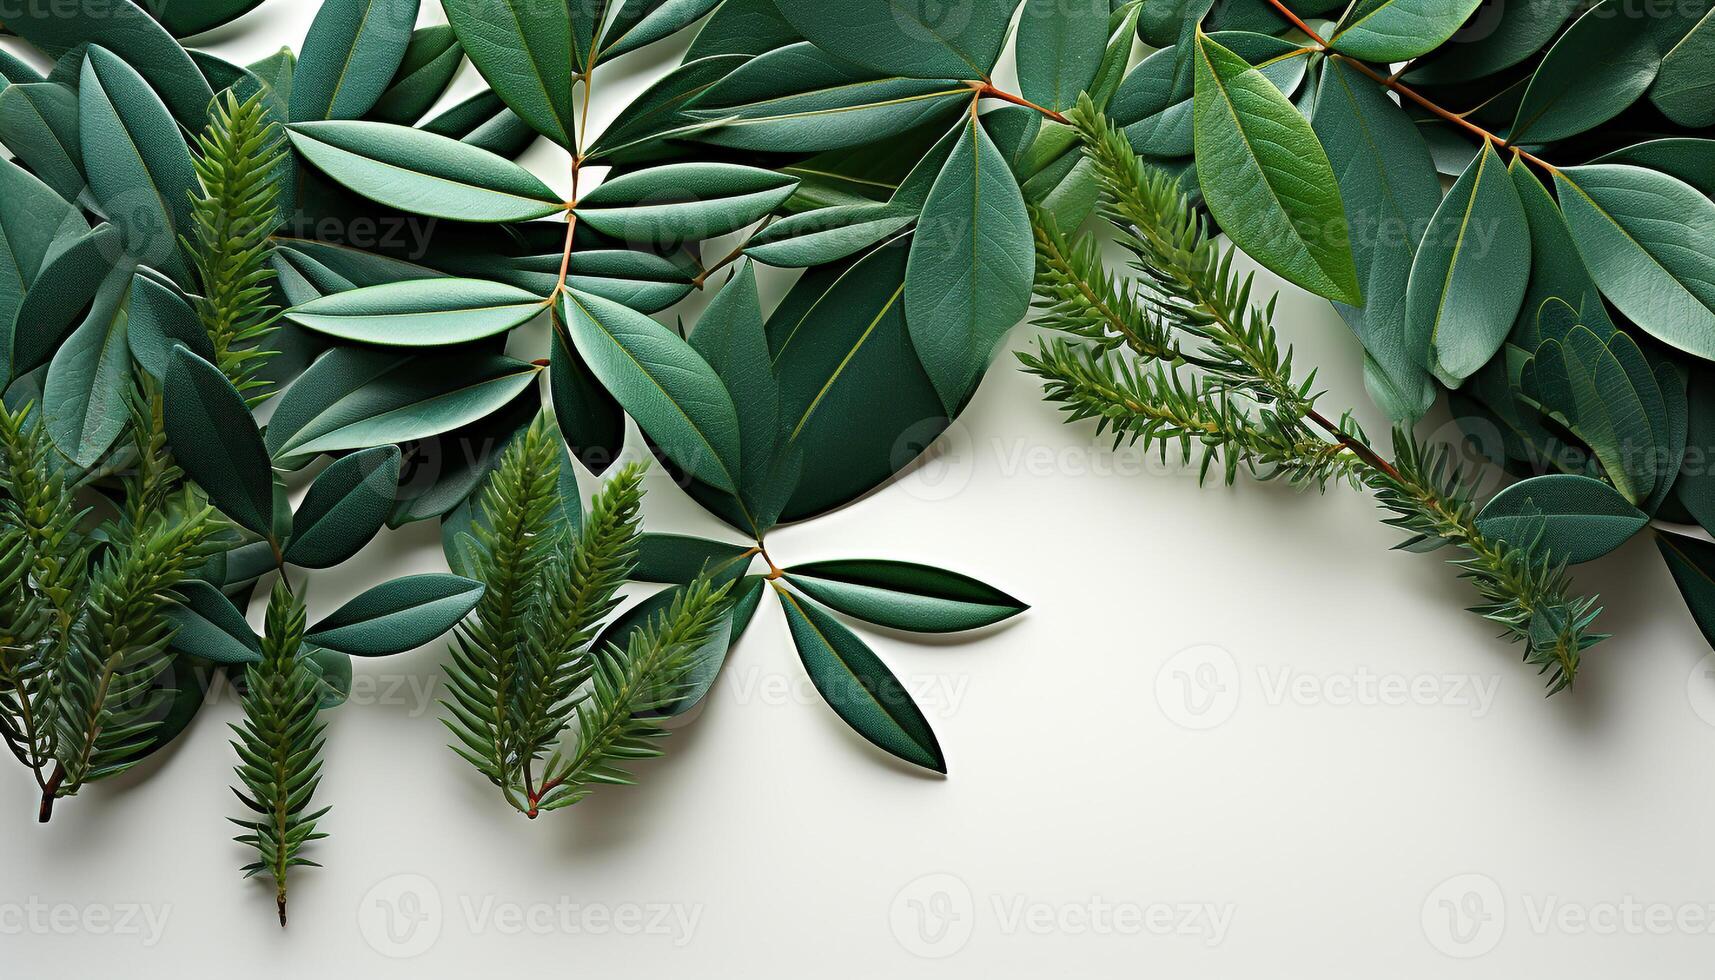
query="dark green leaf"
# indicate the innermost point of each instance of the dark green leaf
(661, 113)
(1684, 89)
(1692, 562)
(125, 29)
(431, 61)
(420, 172)
(77, 270)
(1562, 517)
(905, 596)
(1399, 30)
(677, 559)
(642, 22)
(662, 383)
(827, 235)
(332, 670)
(483, 121)
(206, 625)
(32, 219)
(1470, 274)
(1603, 63)
(159, 320)
(39, 123)
(1060, 47)
(1557, 271)
(1154, 104)
(400, 615)
(345, 508)
(216, 443)
(913, 38)
(351, 53)
(683, 202)
(1606, 393)
(972, 266)
(433, 313)
(859, 687)
(189, 19)
(524, 49)
(1523, 29)
(589, 418)
(85, 399)
(1690, 160)
(440, 473)
(1267, 179)
(743, 27)
(1644, 236)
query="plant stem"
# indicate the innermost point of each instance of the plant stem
(50, 792)
(988, 90)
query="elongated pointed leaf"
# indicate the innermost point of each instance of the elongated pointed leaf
(800, 98)
(644, 129)
(683, 202)
(913, 38)
(420, 172)
(905, 596)
(39, 123)
(206, 625)
(351, 53)
(1060, 47)
(1692, 562)
(431, 62)
(859, 687)
(216, 442)
(730, 338)
(1684, 88)
(1606, 393)
(972, 266)
(128, 31)
(32, 219)
(85, 399)
(1644, 236)
(1522, 31)
(1267, 179)
(361, 398)
(1603, 63)
(643, 22)
(1557, 271)
(345, 508)
(435, 313)
(401, 615)
(1471, 272)
(1567, 518)
(190, 19)
(742, 27)
(139, 168)
(1399, 30)
(1389, 185)
(677, 559)
(484, 121)
(159, 320)
(590, 420)
(662, 383)
(827, 235)
(1153, 104)
(78, 270)
(524, 49)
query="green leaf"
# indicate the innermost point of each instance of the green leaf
(356, 398)
(85, 399)
(400, 615)
(484, 121)
(1690, 160)
(677, 559)
(1696, 487)
(215, 441)
(159, 319)
(1603, 63)
(1399, 30)
(683, 202)
(1607, 395)
(644, 128)
(345, 508)
(1683, 91)
(643, 22)
(590, 420)
(1267, 179)
(188, 20)
(802, 99)
(859, 687)
(139, 168)
(1644, 236)
(440, 473)
(351, 53)
(524, 49)
(905, 596)
(1154, 104)
(1389, 185)
(125, 29)
(826, 235)
(1692, 562)
(662, 383)
(854, 398)
(332, 670)
(206, 625)
(913, 38)
(1522, 31)
(432, 313)
(1470, 274)
(420, 172)
(39, 123)
(1567, 518)
(32, 219)
(1059, 50)
(78, 270)
(972, 266)
(743, 27)
(431, 62)
(1557, 271)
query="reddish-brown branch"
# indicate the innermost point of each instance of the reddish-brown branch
(986, 90)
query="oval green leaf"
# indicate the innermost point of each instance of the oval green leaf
(913, 38)
(431, 313)
(400, 615)
(206, 625)
(1562, 518)
(1399, 30)
(351, 53)
(677, 559)
(905, 596)
(215, 441)
(1603, 63)
(345, 508)
(524, 49)
(684, 202)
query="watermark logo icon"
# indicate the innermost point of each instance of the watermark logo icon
(1465, 916)
(401, 917)
(934, 916)
(1198, 687)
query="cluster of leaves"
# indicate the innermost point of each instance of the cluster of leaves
(1558, 291)
(1182, 357)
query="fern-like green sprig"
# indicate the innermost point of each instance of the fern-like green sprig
(279, 748)
(237, 163)
(650, 673)
(1243, 407)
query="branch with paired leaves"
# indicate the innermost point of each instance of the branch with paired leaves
(1183, 358)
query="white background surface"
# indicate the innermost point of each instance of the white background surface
(1189, 760)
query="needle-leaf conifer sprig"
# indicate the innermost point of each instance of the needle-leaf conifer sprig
(1192, 361)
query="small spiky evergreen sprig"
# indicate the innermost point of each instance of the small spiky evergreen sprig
(1243, 406)
(26, 624)
(279, 748)
(237, 162)
(108, 702)
(650, 673)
